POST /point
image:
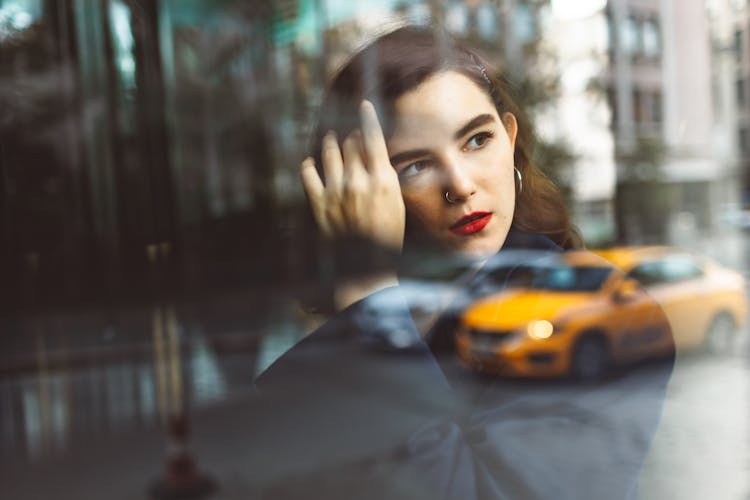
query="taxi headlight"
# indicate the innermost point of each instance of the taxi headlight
(540, 329)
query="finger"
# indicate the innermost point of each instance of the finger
(311, 180)
(376, 152)
(353, 160)
(333, 165)
(315, 191)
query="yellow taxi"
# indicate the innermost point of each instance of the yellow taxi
(572, 313)
(706, 303)
(577, 314)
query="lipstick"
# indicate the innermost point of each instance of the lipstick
(471, 224)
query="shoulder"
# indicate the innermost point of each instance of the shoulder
(379, 322)
(519, 239)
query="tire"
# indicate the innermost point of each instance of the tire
(721, 335)
(590, 360)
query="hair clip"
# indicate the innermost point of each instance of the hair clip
(481, 69)
(484, 75)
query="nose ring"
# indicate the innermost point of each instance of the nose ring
(448, 198)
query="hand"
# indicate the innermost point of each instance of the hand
(361, 196)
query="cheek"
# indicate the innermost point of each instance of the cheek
(422, 207)
(505, 195)
(501, 174)
(505, 182)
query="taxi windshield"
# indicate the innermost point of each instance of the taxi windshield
(569, 279)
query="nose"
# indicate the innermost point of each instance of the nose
(457, 181)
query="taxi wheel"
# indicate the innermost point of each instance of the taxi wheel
(720, 335)
(590, 361)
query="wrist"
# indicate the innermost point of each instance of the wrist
(359, 256)
(352, 289)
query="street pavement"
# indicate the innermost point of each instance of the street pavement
(702, 447)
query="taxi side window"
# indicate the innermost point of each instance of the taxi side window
(680, 268)
(672, 269)
(648, 274)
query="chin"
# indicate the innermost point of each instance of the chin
(480, 249)
(476, 247)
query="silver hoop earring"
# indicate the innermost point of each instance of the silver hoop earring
(449, 199)
(520, 180)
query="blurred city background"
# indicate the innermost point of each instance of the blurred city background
(154, 236)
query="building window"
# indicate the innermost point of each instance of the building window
(638, 115)
(740, 91)
(738, 45)
(640, 35)
(647, 110)
(457, 19)
(656, 107)
(612, 101)
(524, 23)
(651, 42)
(630, 36)
(487, 21)
(742, 139)
(420, 14)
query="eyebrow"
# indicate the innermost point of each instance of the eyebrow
(414, 154)
(409, 156)
(475, 122)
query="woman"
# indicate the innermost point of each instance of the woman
(454, 157)
(420, 149)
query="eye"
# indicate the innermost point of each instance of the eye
(478, 141)
(413, 169)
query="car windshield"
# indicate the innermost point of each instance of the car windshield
(569, 279)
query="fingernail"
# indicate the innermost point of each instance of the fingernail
(330, 136)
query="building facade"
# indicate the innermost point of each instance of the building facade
(676, 170)
(729, 23)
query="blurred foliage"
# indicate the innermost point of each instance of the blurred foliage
(643, 200)
(535, 92)
(553, 157)
(643, 160)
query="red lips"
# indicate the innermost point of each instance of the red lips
(471, 224)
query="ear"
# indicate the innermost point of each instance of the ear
(511, 127)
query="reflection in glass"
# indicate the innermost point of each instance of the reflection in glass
(119, 14)
(118, 385)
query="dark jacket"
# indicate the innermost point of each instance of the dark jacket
(339, 417)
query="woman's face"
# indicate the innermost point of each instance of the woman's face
(448, 138)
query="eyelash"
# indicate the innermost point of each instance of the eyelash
(484, 136)
(405, 175)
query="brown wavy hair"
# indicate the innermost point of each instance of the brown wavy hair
(400, 61)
